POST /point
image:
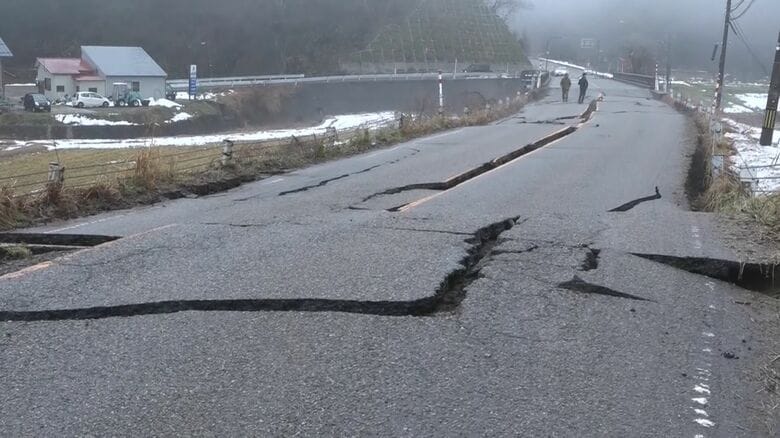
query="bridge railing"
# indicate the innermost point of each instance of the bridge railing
(248, 81)
(644, 81)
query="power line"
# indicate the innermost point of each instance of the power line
(734, 9)
(738, 16)
(741, 35)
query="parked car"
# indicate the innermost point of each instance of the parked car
(560, 72)
(88, 99)
(36, 103)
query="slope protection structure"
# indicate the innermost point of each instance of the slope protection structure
(446, 35)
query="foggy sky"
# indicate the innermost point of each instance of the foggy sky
(695, 25)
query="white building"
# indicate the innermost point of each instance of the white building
(98, 69)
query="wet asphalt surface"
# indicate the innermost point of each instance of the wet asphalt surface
(519, 356)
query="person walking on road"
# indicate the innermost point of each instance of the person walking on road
(583, 87)
(565, 86)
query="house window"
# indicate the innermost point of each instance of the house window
(136, 86)
(47, 84)
(60, 88)
(93, 90)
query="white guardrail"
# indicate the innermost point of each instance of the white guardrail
(248, 81)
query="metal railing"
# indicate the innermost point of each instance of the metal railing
(249, 81)
(643, 81)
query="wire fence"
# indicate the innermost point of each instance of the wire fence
(173, 162)
(759, 178)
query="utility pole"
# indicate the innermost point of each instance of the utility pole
(774, 97)
(722, 66)
(669, 64)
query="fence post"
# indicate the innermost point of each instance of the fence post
(227, 152)
(56, 175)
(332, 136)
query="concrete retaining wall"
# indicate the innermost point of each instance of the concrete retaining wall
(309, 102)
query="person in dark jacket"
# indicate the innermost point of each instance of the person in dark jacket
(565, 86)
(583, 87)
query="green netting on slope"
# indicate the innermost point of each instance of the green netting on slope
(446, 31)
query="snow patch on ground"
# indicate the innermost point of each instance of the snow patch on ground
(755, 101)
(755, 163)
(179, 117)
(79, 120)
(340, 123)
(579, 67)
(184, 95)
(737, 109)
(164, 103)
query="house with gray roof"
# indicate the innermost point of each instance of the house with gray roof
(98, 69)
(5, 52)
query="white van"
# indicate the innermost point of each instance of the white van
(84, 99)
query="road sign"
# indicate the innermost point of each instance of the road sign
(588, 43)
(193, 89)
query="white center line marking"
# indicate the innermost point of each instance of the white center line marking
(701, 390)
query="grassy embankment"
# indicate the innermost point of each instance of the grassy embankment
(724, 192)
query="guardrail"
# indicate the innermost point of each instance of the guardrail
(235, 81)
(643, 81)
(248, 81)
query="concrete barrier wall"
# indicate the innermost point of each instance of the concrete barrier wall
(310, 102)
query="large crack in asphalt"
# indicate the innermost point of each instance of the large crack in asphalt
(477, 171)
(577, 284)
(347, 175)
(323, 182)
(490, 165)
(751, 276)
(55, 239)
(447, 298)
(630, 205)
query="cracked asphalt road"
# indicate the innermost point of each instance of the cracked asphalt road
(520, 356)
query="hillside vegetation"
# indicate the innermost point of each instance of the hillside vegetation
(234, 37)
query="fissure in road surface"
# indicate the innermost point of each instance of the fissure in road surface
(55, 239)
(630, 205)
(579, 285)
(752, 276)
(591, 261)
(347, 175)
(490, 165)
(447, 298)
(477, 171)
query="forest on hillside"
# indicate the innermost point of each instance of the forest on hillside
(228, 37)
